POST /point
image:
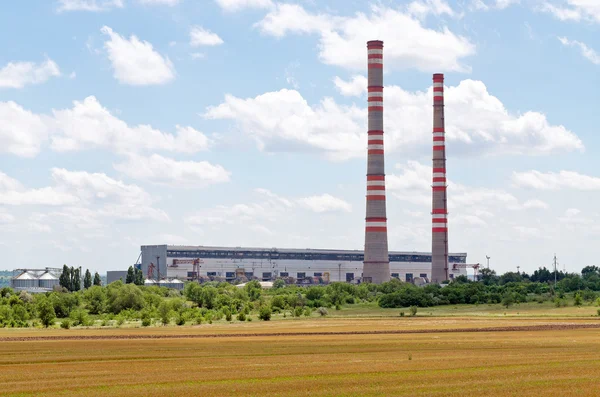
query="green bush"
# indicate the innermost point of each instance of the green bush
(146, 322)
(322, 311)
(264, 313)
(298, 311)
(401, 314)
(65, 324)
(578, 299)
(241, 316)
(413, 310)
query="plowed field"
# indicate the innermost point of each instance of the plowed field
(324, 357)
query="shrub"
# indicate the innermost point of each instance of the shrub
(338, 307)
(598, 312)
(65, 324)
(241, 316)
(227, 313)
(322, 311)
(180, 319)
(413, 310)
(264, 313)
(578, 299)
(307, 312)
(401, 314)
(146, 322)
(298, 311)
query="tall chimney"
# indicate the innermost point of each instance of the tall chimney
(439, 213)
(376, 261)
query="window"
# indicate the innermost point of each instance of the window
(191, 274)
(349, 277)
(301, 275)
(318, 274)
(229, 274)
(284, 274)
(249, 275)
(266, 276)
(452, 276)
(396, 275)
(209, 274)
(423, 275)
(409, 277)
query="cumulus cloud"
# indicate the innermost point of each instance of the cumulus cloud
(572, 10)
(89, 5)
(90, 125)
(86, 198)
(589, 53)
(237, 5)
(492, 4)
(325, 203)
(535, 204)
(22, 132)
(12, 192)
(355, 87)
(203, 37)
(477, 123)
(135, 62)
(555, 180)
(20, 74)
(422, 8)
(162, 170)
(408, 44)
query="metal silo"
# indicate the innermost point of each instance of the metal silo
(48, 280)
(25, 280)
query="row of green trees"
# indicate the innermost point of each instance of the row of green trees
(70, 279)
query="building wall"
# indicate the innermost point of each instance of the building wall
(149, 254)
(115, 275)
(338, 271)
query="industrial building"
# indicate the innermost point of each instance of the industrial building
(193, 262)
(35, 280)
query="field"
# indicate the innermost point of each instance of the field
(355, 355)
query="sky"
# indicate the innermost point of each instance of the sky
(243, 123)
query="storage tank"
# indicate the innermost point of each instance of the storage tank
(48, 280)
(174, 284)
(25, 280)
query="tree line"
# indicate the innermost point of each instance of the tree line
(120, 302)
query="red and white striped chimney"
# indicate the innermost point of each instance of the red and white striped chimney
(376, 259)
(439, 213)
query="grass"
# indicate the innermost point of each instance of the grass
(514, 363)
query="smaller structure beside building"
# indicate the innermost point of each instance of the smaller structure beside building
(35, 280)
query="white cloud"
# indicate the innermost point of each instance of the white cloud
(237, 5)
(203, 37)
(86, 198)
(476, 123)
(587, 52)
(6, 218)
(90, 125)
(197, 55)
(325, 203)
(492, 4)
(20, 74)
(555, 181)
(169, 3)
(422, 8)
(136, 62)
(162, 170)
(355, 87)
(89, 5)
(12, 192)
(535, 204)
(573, 10)
(407, 43)
(22, 132)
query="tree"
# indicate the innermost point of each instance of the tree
(87, 280)
(46, 312)
(65, 278)
(508, 300)
(139, 277)
(97, 280)
(75, 279)
(130, 276)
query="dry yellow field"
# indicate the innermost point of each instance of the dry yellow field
(547, 358)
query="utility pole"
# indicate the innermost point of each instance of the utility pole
(518, 267)
(157, 269)
(488, 261)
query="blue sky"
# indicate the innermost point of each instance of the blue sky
(243, 122)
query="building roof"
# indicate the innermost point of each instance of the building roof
(295, 250)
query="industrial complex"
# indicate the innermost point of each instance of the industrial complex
(171, 265)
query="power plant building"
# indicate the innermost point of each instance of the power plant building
(188, 263)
